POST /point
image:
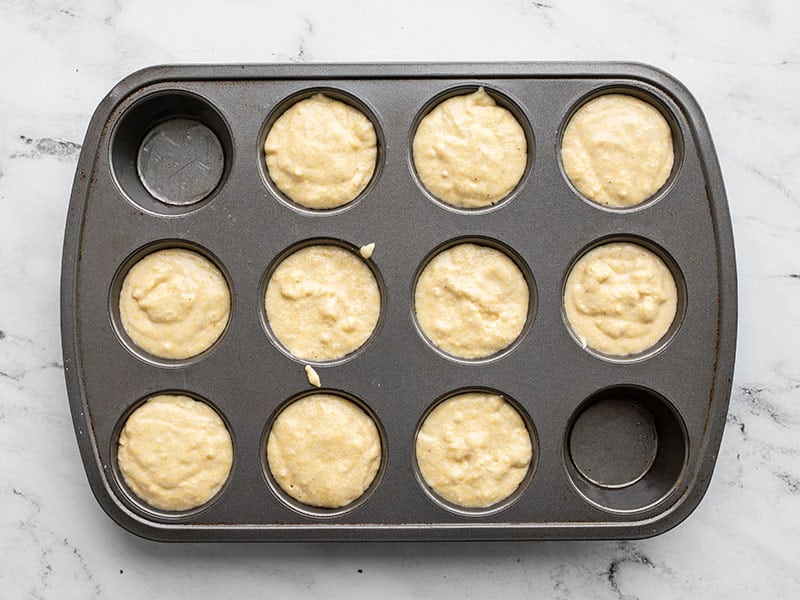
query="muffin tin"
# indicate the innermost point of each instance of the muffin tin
(624, 446)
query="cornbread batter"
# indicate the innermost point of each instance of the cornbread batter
(469, 152)
(174, 303)
(313, 376)
(174, 452)
(324, 451)
(474, 449)
(366, 251)
(322, 302)
(321, 152)
(471, 301)
(620, 298)
(617, 150)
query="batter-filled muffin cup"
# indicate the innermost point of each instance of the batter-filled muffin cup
(321, 152)
(617, 150)
(324, 451)
(174, 452)
(322, 302)
(620, 299)
(474, 450)
(469, 152)
(174, 303)
(471, 301)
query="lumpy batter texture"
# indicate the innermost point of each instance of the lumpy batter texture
(474, 449)
(174, 303)
(617, 150)
(324, 451)
(471, 301)
(322, 302)
(321, 152)
(469, 152)
(620, 298)
(174, 452)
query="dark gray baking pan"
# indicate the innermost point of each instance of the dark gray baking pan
(624, 448)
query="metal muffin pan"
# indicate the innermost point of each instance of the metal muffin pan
(624, 448)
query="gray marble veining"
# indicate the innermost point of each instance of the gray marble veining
(740, 59)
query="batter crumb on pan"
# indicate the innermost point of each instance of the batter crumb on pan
(313, 376)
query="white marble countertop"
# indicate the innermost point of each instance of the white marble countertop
(740, 59)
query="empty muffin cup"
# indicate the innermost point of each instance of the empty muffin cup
(626, 448)
(180, 161)
(613, 443)
(170, 152)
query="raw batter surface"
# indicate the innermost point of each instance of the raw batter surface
(617, 150)
(321, 152)
(322, 302)
(324, 451)
(174, 303)
(470, 152)
(620, 298)
(175, 452)
(471, 301)
(474, 449)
